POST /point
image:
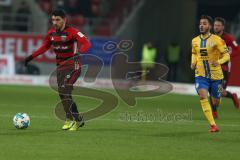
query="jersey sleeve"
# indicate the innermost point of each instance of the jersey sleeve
(233, 42)
(221, 46)
(82, 41)
(233, 46)
(44, 47)
(194, 55)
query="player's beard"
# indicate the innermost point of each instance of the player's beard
(56, 27)
(59, 28)
(206, 31)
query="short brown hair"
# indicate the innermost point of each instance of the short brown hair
(209, 18)
(59, 12)
(220, 19)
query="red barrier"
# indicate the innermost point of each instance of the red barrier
(22, 45)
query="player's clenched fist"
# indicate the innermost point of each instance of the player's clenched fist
(27, 60)
(193, 66)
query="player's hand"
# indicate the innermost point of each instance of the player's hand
(76, 65)
(193, 66)
(76, 61)
(76, 57)
(215, 63)
(27, 60)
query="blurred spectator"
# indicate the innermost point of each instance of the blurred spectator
(173, 56)
(76, 7)
(85, 7)
(95, 7)
(22, 17)
(46, 6)
(60, 4)
(95, 10)
(77, 20)
(72, 7)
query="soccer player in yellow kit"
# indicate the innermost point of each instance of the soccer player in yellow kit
(209, 51)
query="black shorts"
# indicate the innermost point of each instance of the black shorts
(225, 79)
(66, 77)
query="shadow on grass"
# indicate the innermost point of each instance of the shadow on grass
(109, 130)
(27, 132)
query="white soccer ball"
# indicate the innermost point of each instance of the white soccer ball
(21, 120)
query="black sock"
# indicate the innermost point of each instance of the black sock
(214, 107)
(229, 95)
(69, 116)
(75, 112)
(66, 105)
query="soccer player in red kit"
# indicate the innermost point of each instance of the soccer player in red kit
(61, 38)
(219, 25)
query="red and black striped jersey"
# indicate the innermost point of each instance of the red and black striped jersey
(232, 46)
(230, 42)
(62, 43)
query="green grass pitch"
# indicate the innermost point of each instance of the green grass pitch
(124, 134)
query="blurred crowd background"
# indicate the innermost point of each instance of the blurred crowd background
(169, 25)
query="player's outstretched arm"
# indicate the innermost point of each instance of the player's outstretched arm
(45, 46)
(27, 60)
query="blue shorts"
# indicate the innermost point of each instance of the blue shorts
(214, 87)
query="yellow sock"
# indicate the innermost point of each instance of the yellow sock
(207, 111)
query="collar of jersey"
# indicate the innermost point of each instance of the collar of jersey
(206, 37)
(66, 26)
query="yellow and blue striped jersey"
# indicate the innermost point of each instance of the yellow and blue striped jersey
(207, 50)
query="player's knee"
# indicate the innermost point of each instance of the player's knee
(64, 91)
(224, 93)
(216, 102)
(202, 96)
(65, 96)
(62, 97)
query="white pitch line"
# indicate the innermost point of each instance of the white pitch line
(32, 116)
(118, 120)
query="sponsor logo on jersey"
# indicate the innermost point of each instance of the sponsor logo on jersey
(211, 44)
(80, 34)
(235, 43)
(64, 38)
